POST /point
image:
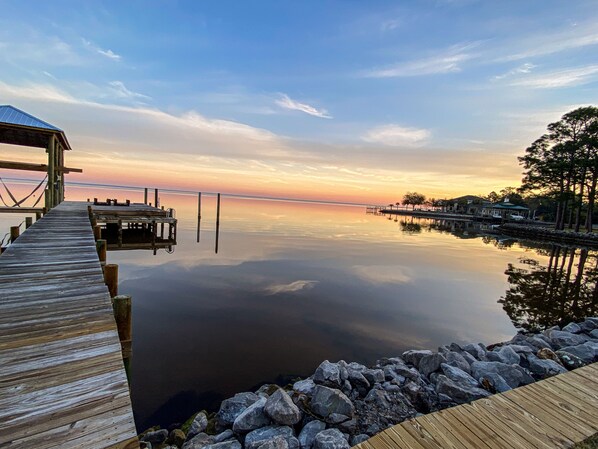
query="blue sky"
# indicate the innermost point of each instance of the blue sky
(354, 99)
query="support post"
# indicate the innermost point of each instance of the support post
(14, 233)
(101, 246)
(50, 200)
(97, 232)
(38, 216)
(121, 305)
(156, 203)
(120, 233)
(145, 196)
(198, 216)
(111, 278)
(28, 222)
(217, 224)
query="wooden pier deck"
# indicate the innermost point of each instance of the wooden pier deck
(62, 378)
(552, 413)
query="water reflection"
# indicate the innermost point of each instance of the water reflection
(563, 290)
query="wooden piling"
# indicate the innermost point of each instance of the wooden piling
(111, 278)
(38, 216)
(145, 196)
(198, 216)
(120, 233)
(156, 202)
(28, 222)
(101, 246)
(121, 304)
(97, 232)
(14, 233)
(217, 223)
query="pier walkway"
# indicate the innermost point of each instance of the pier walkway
(552, 413)
(62, 378)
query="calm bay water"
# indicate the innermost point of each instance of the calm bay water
(293, 284)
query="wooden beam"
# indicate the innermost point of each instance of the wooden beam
(10, 165)
(21, 210)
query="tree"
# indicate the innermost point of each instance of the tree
(563, 164)
(413, 199)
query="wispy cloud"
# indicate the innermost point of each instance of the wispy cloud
(522, 69)
(288, 103)
(106, 53)
(121, 91)
(389, 25)
(560, 78)
(446, 62)
(397, 135)
(291, 287)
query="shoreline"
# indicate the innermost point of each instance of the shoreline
(345, 403)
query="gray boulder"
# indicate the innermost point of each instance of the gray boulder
(574, 328)
(569, 361)
(328, 374)
(458, 375)
(494, 383)
(330, 439)
(226, 435)
(308, 433)
(544, 368)
(459, 393)
(253, 417)
(430, 363)
(256, 438)
(587, 351)
(523, 348)
(232, 407)
(357, 378)
(373, 376)
(539, 342)
(198, 441)
(457, 360)
(561, 339)
(588, 326)
(304, 386)
(281, 409)
(508, 355)
(231, 444)
(326, 401)
(414, 356)
(594, 334)
(156, 437)
(475, 351)
(358, 439)
(199, 424)
(274, 443)
(514, 375)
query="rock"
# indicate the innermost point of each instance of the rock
(544, 368)
(476, 351)
(257, 437)
(493, 356)
(253, 417)
(458, 392)
(274, 443)
(494, 383)
(594, 333)
(523, 349)
(570, 361)
(588, 326)
(587, 351)
(415, 356)
(336, 418)
(357, 439)
(308, 433)
(328, 374)
(405, 371)
(156, 437)
(231, 444)
(468, 357)
(304, 386)
(198, 441)
(574, 328)
(330, 439)
(226, 435)
(342, 368)
(458, 375)
(357, 378)
(266, 390)
(388, 386)
(357, 366)
(281, 409)
(547, 354)
(539, 342)
(373, 375)
(232, 407)
(199, 424)
(176, 437)
(514, 375)
(326, 401)
(349, 427)
(379, 398)
(560, 339)
(457, 360)
(430, 363)
(508, 355)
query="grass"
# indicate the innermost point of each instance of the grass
(590, 443)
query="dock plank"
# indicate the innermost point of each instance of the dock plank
(62, 382)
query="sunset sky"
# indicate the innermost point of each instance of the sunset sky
(336, 100)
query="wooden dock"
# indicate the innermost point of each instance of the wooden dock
(552, 413)
(62, 378)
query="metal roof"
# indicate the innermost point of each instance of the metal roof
(20, 128)
(14, 116)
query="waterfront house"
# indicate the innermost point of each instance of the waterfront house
(504, 210)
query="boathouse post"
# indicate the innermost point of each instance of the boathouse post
(14, 233)
(121, 304)
(145, 196)
(156, 202)
(111, 278)
(101, 246)
(28, 222)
